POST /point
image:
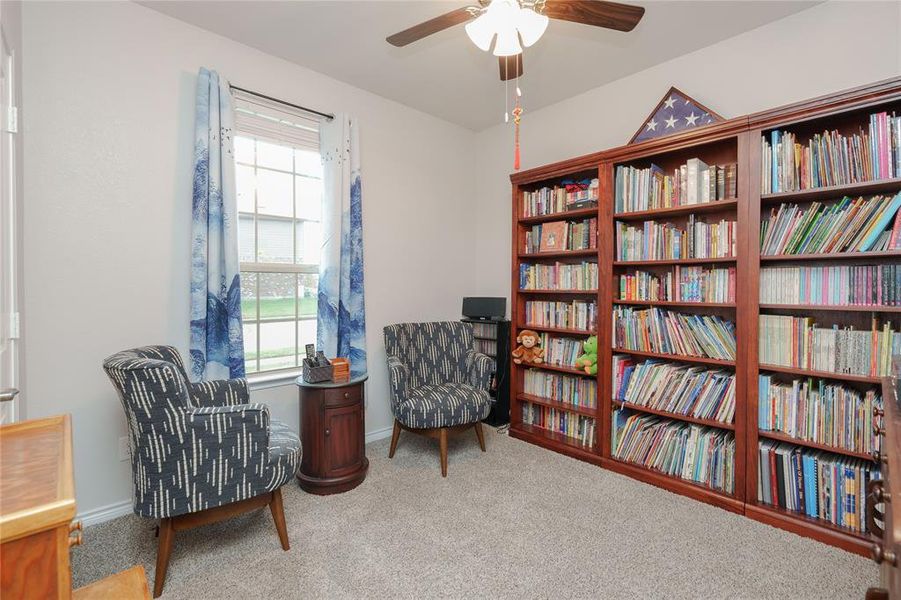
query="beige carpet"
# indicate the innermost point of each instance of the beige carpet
(518, 521)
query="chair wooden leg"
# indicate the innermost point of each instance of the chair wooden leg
(395, 435)
(167, 535)
(278, 515)
(442, 442)
(481, 435)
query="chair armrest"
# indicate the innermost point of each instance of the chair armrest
(223, 392)
(240, 431)
(399, 376)
(478, 369)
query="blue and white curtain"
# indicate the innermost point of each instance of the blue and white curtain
(341, 317)
(217, 344)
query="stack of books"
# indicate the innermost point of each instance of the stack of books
(558, 236)
(571, 195)
(674, 388)
(705, 455)
(841, 285)
(485, 330)
(666, 241)
(692, 183)
(682, 284)
(559, 276)
(560, 351)
(816, 411)
(817, 484)
(831, 158)
(667, 332)
(577, 391)
(575, 426)
(577, 314)
(800, 343)
(486, 347)
(859, 225)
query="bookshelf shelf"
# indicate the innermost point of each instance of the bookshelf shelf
(658, 213)
(673, 261)
(677, 417)
(560, 254)
(823, 193)
(821, 374)
(832, 308)
(560, 330)
(702, 360)
(781, 437)
(561, 216)
(738, 141)
(547, 367)
(676, 304)
(588, 411)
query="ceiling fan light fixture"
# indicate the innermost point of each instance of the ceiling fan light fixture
(481, 31)
(531, 26)
(507, 42)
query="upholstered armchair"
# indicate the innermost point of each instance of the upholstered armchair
(200, 452)
(439, 384)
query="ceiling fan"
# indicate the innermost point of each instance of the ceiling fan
(509, 23)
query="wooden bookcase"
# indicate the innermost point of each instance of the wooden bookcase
(736, 140)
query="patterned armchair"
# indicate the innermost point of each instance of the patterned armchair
(438, 382)
(200, 452)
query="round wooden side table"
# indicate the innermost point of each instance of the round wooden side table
(333, 436)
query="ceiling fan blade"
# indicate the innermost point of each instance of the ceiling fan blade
(510, 66)
(610, 15)
(427, 28)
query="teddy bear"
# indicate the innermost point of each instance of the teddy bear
(529, 350)
(589, 360)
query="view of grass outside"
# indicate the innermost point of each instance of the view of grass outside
(275, 308)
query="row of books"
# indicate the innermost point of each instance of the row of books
(820, 485)
(705, 455)
(574, 426)
(842, 285)
(858, 225)
(681, 284)
(661, 241)
(557, 236)
(569, 195)
(485, 330)
(831, 158)
(815, 410)
(488, 347)
(559, 276)
(577, 314)
(578, 391)
(800, 343)
(668, 332)
(692, 183)
(561, 351)
(674, 388)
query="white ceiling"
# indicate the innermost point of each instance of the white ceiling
(445, 74)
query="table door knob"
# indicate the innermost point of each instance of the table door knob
(75, 540)
(346, 395)
(328, 432)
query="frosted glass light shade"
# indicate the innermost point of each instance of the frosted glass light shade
(531, 26)
(481, 31)
(507, 43)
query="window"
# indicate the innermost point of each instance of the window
(279, 184)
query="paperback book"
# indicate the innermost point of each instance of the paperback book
(680, 284)
(692, 183)
(569, 195)
(559, 276)
(666, 241)
(574, 426)
(839, 285)
(577, 391)
(577, 314)
(678, 334)
(558, 236)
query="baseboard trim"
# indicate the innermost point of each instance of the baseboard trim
(105, 513)
(379, 434)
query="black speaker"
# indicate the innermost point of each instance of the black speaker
(484, 308)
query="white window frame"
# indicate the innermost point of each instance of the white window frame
(271, 122)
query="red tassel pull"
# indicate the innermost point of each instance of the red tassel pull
(517, 117)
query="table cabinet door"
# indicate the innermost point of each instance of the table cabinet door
(344, 434)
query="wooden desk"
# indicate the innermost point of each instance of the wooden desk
(37, 505)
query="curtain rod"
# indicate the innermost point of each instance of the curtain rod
(271, 99)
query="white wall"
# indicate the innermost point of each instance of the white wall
(827, 48)
(108, 120)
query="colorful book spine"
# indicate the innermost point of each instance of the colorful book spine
(704, 455)
(574, 426)
(578, 235)
(577, 391)
(839, 285)
(560, 198)
(681, 284)
(667, 332)
(695, 182)
(559, 276)
(666, 241)
(576, 314)
(815, 410)
(561, 351)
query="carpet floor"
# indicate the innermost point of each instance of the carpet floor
(517, 521)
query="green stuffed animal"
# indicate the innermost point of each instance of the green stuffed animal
(589, 360)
